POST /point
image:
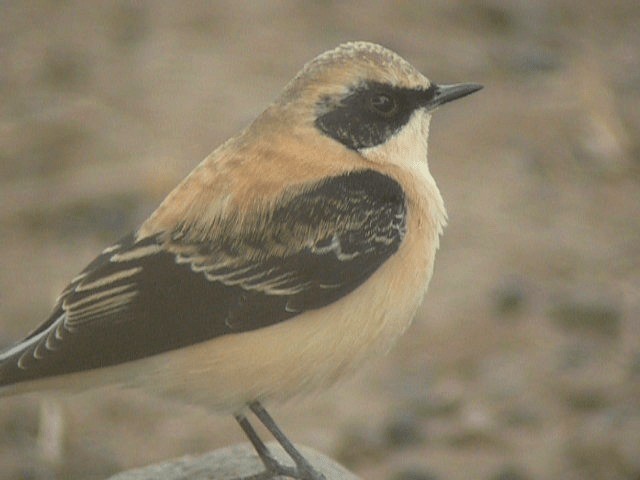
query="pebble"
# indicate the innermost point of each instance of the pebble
(521, 415)
(444, 398)
(509, 297)
(510, 472)
(588, 315)
(65, 69)
(586, 376)
(627, 438)
(414, 473)
(606, 445)
(634, 367)
(403, 429)
(359, 443)
(477, 426)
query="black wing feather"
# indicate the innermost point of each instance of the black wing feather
(140, 298)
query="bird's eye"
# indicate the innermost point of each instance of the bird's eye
(383, 104)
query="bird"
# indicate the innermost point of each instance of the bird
(293, 254)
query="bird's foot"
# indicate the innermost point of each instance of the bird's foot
(307, 472)
(275, 470)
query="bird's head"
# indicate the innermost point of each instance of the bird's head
(368, 99)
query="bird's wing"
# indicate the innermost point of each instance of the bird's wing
(144, 296)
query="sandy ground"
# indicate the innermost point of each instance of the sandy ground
(524, 362)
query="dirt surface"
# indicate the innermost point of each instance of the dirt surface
(524, 362)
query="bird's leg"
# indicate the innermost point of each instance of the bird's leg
(304, 469)
(272, 466)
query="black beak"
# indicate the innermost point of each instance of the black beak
(446, 93)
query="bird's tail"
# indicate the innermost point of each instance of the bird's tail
(11, 373)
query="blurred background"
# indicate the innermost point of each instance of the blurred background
(523, 363)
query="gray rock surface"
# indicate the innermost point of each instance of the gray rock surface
(237, 462)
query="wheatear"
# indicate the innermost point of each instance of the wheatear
(289, 256)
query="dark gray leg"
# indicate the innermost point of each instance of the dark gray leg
(304, 470)
(272, 466)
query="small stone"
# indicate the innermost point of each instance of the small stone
(603, 144)
(576, 356)
(627, 438)
(414, 473)
(129, 24)
(359, 442)
(521, 416)
(509, 297)
(591, 315)
(510, 472)
(634, 367)
(586, 375)
(478, 419)
(444, 398)
(65, 69)
(477, 426)
(403, 430)
(596, 449)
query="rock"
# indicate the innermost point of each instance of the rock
(414, 473)
(510, 472)
(477, 426)
(444, 398)
(605, 446)
(588, 314)
(509, 296)
(521, 416)
(628, 442)
(586, 376)
(634, 367)
(403, 429)
(358, 443)
(65, 69)
(237, 462)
